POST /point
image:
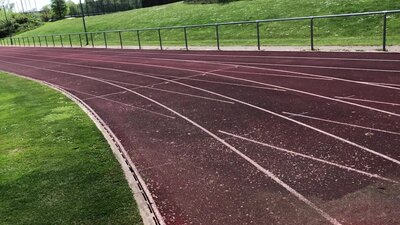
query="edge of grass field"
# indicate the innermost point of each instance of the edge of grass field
(144, 200)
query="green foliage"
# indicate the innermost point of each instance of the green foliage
(56, 167)
(208, 1)
(46, 14)
(73, 9)
(59, 8)
(19, 22)
(344, 31)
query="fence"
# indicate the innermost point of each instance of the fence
(87, 39)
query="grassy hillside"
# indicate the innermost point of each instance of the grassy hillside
(354, 31)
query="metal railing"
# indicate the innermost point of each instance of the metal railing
(43, 40)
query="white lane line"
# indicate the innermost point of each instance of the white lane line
(168, 91)
(309, 66)
(244, 56)
(233, 149)
(220, 82)
(311, 157)
(110, 100)
(214, 74)
(165, 82)
(260, 68)
(106, 95)
(388, 84)
(250, 105)
(345, 124)
(366, 100)
(282, 75)
(269, 69)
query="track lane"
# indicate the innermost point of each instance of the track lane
(167, 99)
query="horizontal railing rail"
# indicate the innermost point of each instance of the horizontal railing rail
(37, 40)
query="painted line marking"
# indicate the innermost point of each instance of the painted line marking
(240, 56)
(282, 75)
(260, 68)
(214, 74)
(105, 95)
(256, 107)
(310, 157)
(166, 82)
(233, 149)
(366, 100)
(341, 123)
(220, 82)
(388, 84)
(168, 91)
(121, 103)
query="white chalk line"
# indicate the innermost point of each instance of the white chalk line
(220, 75)
(181, 78)
(388, 84)
(110, 100)
(341, 123)
(311, 157)
(270, 69)
(252, 162)
(367, 100)
(105, 95)
(242, 56)
(168, 91)
(277, 70)
(220, 82)
(165, 82)
(262, 109)
(282, 75)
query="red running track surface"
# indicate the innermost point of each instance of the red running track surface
(245, 137)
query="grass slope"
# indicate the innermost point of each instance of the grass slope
(56, 167)
(348, 31)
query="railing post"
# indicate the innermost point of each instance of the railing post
(29, 42)
(45, 39)
(91, 38)
(312, 32)
(80, 40)
(70, 41)
(120, 39)
(105, 39)
(258, 36)
(384, 31)
(138, 39)
(159, 39)
(19, 42)
(23, 41)
(34, 43)
(217, 34)
(186, 40)
(40, 42)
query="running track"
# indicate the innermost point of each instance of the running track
(245, 137)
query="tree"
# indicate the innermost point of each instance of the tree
(46, 13)
(72, 8)
(59, 8)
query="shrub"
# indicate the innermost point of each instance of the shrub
(208, 1)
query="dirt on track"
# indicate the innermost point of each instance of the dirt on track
(245, 137)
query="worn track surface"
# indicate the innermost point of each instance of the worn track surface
(245, 137)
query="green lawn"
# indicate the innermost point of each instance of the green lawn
(55, 165)
(345, 31)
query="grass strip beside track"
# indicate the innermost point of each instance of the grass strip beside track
(55, 165)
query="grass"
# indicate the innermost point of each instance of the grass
(56, 167)
(344, 31)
